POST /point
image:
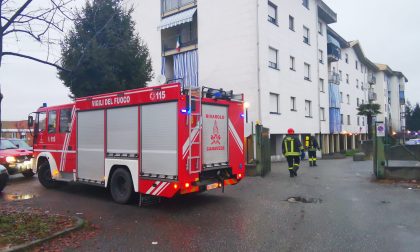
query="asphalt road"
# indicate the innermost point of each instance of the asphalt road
(349, 213)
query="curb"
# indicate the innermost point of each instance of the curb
(80, 222)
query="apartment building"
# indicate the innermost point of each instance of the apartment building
(275, 52)
(390, 90)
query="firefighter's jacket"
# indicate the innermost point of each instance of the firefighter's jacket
(311, 144)
(291, 146)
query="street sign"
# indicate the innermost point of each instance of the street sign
(380, 129)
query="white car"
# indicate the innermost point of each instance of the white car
(413, 142)
(4, 177)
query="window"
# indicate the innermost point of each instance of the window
(65, 120)
(362, 86)
(306, 34)
(342, 118)
(348, 120)
(348, 99)
(293, 103)
(357, 65)
(321, 85)
(272, 13)
(358, 102)
(292, 63)
(320, 28)
(358, 121)
(341, 97)
(52, 121)
(42, 121)
(347, 79)
(341, 75)
(305, 3)
(291, 23)
(321, 57)
(363, 121)
(308, 108)
(363, 101)
(307, 69)
(274, 104)
(357, 83)
(322, 114)
(347, 58)
(273, 60)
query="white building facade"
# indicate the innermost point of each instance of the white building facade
(274, 52)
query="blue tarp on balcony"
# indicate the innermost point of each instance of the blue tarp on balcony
(333, 48)
(335, 121)
(334, 92)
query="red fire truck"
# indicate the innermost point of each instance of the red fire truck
(153, 142)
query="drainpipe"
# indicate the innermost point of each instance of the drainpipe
(258, 63)
(319, 88)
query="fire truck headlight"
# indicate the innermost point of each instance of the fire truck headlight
(10, 159)
(187, 185)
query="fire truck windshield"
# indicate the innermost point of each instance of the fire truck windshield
(40, 122)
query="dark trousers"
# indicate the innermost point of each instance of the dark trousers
(293, 161)
(312, 157)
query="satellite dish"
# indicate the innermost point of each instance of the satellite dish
(161, 79)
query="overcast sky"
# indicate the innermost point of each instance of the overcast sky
(387, 29)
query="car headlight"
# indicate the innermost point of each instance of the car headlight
(10, 159)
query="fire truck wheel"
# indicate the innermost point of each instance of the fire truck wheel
(44, 176)
(28, 174)
(121, 186)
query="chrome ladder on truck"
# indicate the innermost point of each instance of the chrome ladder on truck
(195, 132)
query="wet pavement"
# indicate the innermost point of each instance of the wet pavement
(332, 207)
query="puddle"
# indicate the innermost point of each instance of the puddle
(304, 200)
(17, 197)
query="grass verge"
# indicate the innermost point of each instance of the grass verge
(17, 228)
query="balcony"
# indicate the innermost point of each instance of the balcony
(334, 78)
(372, 96)
(170, 7)
(371, 79)
(177, 44)
(333, 49)
(402, 97)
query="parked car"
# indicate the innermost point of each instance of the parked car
(14, 159)
(21, 144)
(413, 142)
(4, 177)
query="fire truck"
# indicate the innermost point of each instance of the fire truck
(155, 142)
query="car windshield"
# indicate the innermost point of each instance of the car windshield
(21, 144)
(6, 145)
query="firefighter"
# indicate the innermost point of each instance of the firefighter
(292, 148)
(311, 145)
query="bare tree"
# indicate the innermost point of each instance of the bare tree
(20, 18)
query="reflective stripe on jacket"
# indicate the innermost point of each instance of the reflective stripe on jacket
(310, 143)
(291, 146)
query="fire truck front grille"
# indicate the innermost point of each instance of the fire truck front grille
(22, 159)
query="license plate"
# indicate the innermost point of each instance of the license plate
(212, 186)
(24, 165)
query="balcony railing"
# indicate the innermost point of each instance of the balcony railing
(334, 78)
(371, 80)
(170, 43)
(372, 96)
(173, 5)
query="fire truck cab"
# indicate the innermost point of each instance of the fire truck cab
(153, 142)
